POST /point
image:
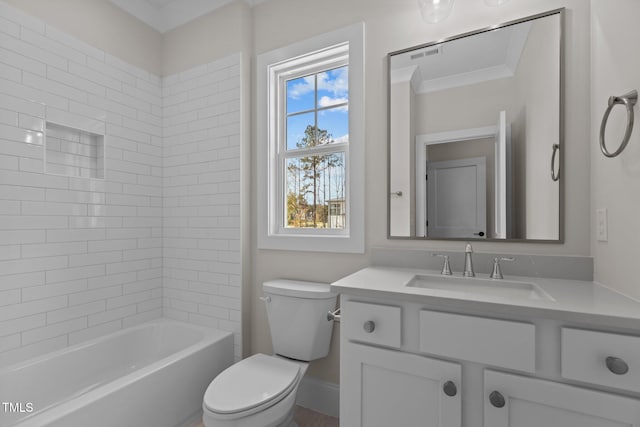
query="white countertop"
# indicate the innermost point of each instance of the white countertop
(574, 301)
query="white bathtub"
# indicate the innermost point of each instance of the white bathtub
(151, 375)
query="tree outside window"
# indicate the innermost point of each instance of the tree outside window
(315, 179)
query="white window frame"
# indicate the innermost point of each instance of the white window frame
(327, 51)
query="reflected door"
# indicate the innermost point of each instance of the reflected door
(457, 198)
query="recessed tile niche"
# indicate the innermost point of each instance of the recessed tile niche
(74, 152)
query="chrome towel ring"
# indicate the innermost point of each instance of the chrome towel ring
(629, 100)
(555, 176)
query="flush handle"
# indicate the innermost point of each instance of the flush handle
(265, 299)
(450, 388)
(497, 399)
(616, 365)
(369, 326)
(334, 316)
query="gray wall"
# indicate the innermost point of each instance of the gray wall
(391, 26)
(615, 182)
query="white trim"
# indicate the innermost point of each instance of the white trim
(457, 135)
(267, 238)
(401, 75)
(502, 179)
(331, 58)
(173, 14)
(144, 11)
(408, 74)
(194, 420)
(456, 80)
(320, 396)
(517, 42)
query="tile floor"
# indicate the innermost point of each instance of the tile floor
(308, 418)
(305, 418)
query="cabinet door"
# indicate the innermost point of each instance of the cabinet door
(382, 388)
(529, 402)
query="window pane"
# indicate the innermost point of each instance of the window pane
(301, 131)
(301, 94)
(333, 87)
(315, 191)
(335, 123)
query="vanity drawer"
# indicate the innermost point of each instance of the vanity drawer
(601, 358)
(372, 323)
(507, 344)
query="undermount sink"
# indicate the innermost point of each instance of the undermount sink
(481, 287)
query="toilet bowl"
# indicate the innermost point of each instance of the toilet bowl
(260, 391)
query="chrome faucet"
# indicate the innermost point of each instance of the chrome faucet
(446, 267)
(497, 272)
(468, 263)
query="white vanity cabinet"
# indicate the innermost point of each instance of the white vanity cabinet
(517, 401)
(383, 388)
(409, 363)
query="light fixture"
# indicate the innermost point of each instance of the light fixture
(495, 2)
(434, 11)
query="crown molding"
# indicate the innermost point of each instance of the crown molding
(174, 13)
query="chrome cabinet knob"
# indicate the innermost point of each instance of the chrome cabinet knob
(450, 388)
(369, 326)
(616, 365)
(497, 399)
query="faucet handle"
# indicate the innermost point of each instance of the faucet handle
(446, 267)
(497, 271)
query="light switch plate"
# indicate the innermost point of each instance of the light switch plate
(602, 227)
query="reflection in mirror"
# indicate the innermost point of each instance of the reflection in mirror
(473, 123)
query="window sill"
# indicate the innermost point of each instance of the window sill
(307, 243)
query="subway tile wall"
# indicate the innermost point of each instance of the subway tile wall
(82, 257)
(201, 193)
(72, 152)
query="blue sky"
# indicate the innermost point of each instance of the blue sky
(332, 89)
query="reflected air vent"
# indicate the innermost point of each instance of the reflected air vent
(432, 50)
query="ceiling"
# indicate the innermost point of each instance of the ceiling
(165, 15)
(486, 56)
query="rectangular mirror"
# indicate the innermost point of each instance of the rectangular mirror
(475, 135)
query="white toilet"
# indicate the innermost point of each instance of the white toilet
(260, 391)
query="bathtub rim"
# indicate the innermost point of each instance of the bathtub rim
(64, 407)
(208, 332)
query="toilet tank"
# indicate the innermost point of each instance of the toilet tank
(297, 314)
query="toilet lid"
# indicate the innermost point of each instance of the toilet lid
(249, 383)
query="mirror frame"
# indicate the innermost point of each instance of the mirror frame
(561, 128)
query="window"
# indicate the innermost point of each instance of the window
(316, 138)
(311, 145)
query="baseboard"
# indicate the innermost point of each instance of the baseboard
(320, 396)
(195, 420)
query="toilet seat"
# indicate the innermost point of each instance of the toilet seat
(251, 385)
